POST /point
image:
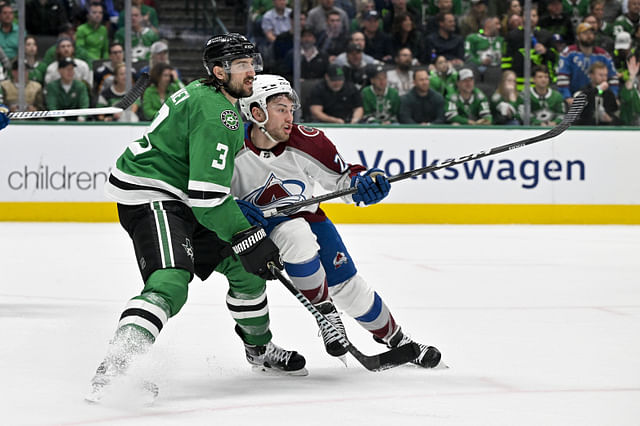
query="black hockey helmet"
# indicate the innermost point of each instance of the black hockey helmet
(222, 49)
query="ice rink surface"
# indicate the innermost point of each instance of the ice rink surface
(539, 324)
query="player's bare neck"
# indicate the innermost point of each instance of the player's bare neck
(230, 98)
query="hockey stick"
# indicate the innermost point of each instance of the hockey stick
(118, 107)
(579, 102)
(392, 358)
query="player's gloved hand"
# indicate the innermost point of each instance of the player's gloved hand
(372, 187)
(253, 214)
(4, 116)
(256, 250)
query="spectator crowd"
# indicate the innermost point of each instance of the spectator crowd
(456, 61)
(422, 62)
(82, 65)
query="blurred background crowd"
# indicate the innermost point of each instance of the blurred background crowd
(361, 61)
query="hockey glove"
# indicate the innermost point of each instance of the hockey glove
(372, 187)
(253, 214)
(256, 250)
(4, 116)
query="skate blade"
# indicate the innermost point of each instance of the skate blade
(343, 358)
(270, 371)
(441, 366)
(92, 398)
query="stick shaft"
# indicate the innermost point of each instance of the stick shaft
(57, 113)
(574, 112)
(127, 100)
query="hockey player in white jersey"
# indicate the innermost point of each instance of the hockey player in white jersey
(279, 165)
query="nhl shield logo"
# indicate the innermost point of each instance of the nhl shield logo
(230, 119)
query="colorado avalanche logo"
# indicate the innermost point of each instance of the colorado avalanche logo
(276, 192)
(308, 131)
(340, 259)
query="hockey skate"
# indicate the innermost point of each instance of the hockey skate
(331, 343)
(127, 343)
(272, 359)
(429, 357)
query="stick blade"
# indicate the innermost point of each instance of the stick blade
(135, 92)
(389, 359)
(575, 111)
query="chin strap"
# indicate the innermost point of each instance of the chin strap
(263, 130)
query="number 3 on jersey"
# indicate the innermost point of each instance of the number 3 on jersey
(221, 161)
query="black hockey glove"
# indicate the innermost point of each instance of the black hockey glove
(256, 250)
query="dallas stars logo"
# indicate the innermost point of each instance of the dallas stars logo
(230, 119)
(188, 248)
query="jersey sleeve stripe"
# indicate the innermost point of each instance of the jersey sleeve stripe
(127, 182)
(208, 202)
(135, 188)
(196, 185)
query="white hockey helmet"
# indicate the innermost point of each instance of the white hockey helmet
(264, 86)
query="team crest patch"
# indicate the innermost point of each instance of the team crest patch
(340, 260)
(230, 119)
(308, 131)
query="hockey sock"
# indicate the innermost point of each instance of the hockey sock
(148, 312)
(170, 285)
(378, 319)
(251, 313)
(310, 278)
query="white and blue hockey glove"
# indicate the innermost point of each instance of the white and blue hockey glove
(253, 214)
(372, 187)
(4, 116)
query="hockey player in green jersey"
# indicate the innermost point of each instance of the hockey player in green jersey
(172, 187)
(547, 105)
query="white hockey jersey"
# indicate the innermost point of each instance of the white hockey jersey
(288, 173)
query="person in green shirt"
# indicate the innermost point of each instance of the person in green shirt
(467, 105)
(629, 20)
(630, 95)
(547, 104)
(483, 51)
(443, 76)
(148, 14)
(172, 187)
(381, 103)
(92, 35)
(142, 37)
(163, 85)
(505, 101)
(66, 92)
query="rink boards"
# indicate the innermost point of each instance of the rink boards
(53, 172)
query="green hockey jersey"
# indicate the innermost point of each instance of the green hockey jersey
(443, 84)
(187, 154)
(477, 47)
(545, 108)
(460, 111)
(630, 105)
(379, 109)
